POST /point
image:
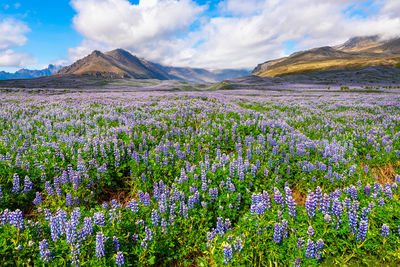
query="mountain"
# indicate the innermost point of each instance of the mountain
(114, 64)
(358, 44)
(356, 53)
(29, 74)
(122, 64)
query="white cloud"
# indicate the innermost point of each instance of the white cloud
(392, 8)
(245, 34)
(86, 47)
(120, 23)
(240, 7)
(10, 58)
(12, 34)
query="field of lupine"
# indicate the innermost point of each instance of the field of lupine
(200, 178)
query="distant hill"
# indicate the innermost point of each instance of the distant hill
(356, 53)
(122, 64)
(29, 74)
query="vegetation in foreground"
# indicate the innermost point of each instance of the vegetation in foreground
(211, 179)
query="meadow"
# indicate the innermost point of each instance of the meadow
(217, 178)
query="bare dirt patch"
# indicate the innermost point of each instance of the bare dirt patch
(386, 173)
(299, 197)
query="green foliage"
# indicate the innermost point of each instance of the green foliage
(106, 151)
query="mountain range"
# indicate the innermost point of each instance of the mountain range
(356, 53)
(29, 74)
(121, 64)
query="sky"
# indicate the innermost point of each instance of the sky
(211, 34)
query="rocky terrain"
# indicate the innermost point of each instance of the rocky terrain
(357, 53)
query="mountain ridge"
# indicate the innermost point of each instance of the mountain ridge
(29, 74)
(356, 53)
(120, 63)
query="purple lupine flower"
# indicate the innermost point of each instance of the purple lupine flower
(297, 262)
(115, 204)
(115, 243)
(353, 192)
(220, 228)
(213, 193)
(310, 231)
(310, 249)
(1, 193)
(367, 190)
(100, 245)
(191, 202)
(366, 169)
(4, 216)
(385, 230)
(164, 225)
(388, 191)
(319, 245)
(227, 253)
(277, 233)
(15, 188)
(134, 206)
(113, 215)
(62, 220)
(310, 205)
(49, 189)
(381, 202)
(119, 258)
(68, 200)
(17, 219)
(300, 243)
(284, 229)
(362, 230)
(291, 207)
(75, 251)
(54, 228)
(395, 186)
(278, 198)
(318, 197)
(99, 218)
(267, 200)
(45, 253)
(227, 225)
(149, 234)
(210, 237)
(70, 232)
(325, 204)
(47, 214)
(155, 218)
(238, 244)
(27, 185)
(288, 193)
(327, 218)
(347, 203)
(75, 215)
(184, 210)
(58, 191)
(353, 218)
(337, 208)
(87, 227)
(76, 201)
(146, 200)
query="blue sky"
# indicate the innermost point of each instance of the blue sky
(200, 33)
(51, 29)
